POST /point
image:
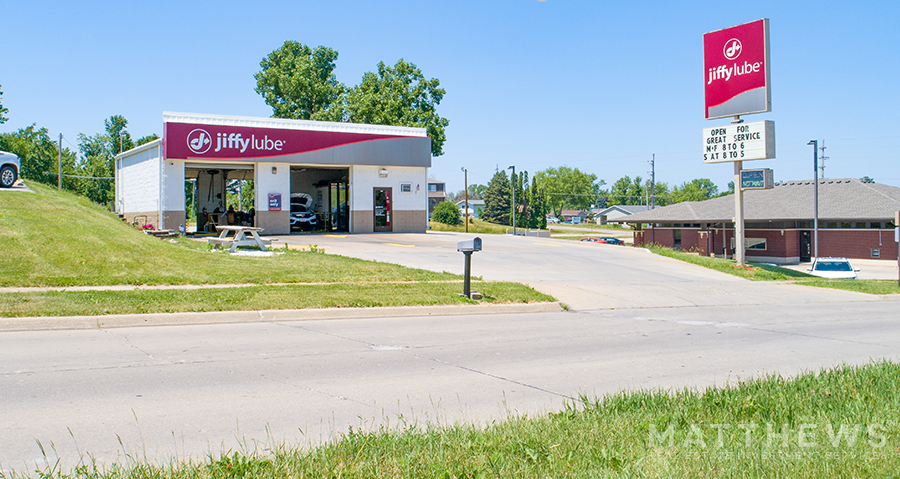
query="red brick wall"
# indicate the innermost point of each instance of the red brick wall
(857, 243)
(850, 243)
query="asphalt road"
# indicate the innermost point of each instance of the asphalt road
(158, 393)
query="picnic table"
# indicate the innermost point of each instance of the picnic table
(232, 236)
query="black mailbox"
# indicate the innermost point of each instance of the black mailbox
(473, 244)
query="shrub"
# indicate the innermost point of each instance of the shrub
(446, 212)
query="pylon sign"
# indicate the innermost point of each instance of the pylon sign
(736, 66)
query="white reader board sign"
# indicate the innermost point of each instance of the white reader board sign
(739, 142)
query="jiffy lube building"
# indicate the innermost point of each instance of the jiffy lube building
(306, 175)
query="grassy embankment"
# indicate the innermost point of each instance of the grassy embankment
(833, 424)
(476, 226)
(56, 239)
(765, 272)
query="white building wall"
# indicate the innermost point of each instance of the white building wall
(363, 180)
(273, 178)
(409, 211)
(173, 185)
(139, 181)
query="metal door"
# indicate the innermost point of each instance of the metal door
(382, 209)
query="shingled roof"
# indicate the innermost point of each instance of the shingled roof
(839, 199)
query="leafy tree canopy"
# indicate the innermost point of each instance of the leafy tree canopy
(3, 111)
(39, 154)
(399, 95)
(298, 81)
(695, 190)
(568, 188)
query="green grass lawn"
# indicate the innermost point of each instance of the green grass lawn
(765, 272)
(838, 423)
(57, 239)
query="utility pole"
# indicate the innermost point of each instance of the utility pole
(653, 182)
(59, 165)
(822, 159)
(513, 168)
(815, 200)
(466, 183)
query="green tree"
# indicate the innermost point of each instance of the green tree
(398, 95)
(446, 212)
(626, 191)
(298, 81)
(496, 199)
(695, 190)
(39, 155)
(146, 139)
(867, 179)
(3, 110)
(97, 163)
(568, 188)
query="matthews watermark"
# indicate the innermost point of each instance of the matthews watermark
(808, 435)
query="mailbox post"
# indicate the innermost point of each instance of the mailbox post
(467, 247)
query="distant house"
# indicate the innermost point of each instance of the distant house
(574, 216)
(475, 207)
(856, 220)
(437, 192)
(613, 213)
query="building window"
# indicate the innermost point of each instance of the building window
(831, 224)
(432, 201)
(861, 225)
(755, 243)
(846, 224)
(758, 244)
(876, 252)
(405, 187)
(875, 225)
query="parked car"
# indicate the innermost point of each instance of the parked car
(833, 268)
(610, 240)
(602, 239)
(552, 220)
(9, 169)
(302, 215)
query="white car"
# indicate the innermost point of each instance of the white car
(833, 268)
(9, 169)
(552, 220)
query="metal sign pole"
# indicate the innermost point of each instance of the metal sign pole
(467, 290)
(739, 215)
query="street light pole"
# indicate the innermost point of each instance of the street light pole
(466, 183)
(815, 145)
(514, 207)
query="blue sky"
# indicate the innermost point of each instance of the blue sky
(599, 86)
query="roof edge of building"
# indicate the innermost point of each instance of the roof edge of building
(291, 124)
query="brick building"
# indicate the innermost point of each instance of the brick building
(856, 220)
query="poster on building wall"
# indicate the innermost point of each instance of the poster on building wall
(274, 201)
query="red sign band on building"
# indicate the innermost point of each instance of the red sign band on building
(190, 140)
(737, 70)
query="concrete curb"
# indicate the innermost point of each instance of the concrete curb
(224, 317)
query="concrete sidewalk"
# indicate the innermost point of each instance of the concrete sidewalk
(280, 315)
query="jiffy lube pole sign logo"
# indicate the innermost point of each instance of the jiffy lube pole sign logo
(187, 140)
(736, 70)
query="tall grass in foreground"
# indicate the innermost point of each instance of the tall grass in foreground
(839, 423)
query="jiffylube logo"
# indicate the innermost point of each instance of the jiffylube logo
(200, 141)
(731, 51)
